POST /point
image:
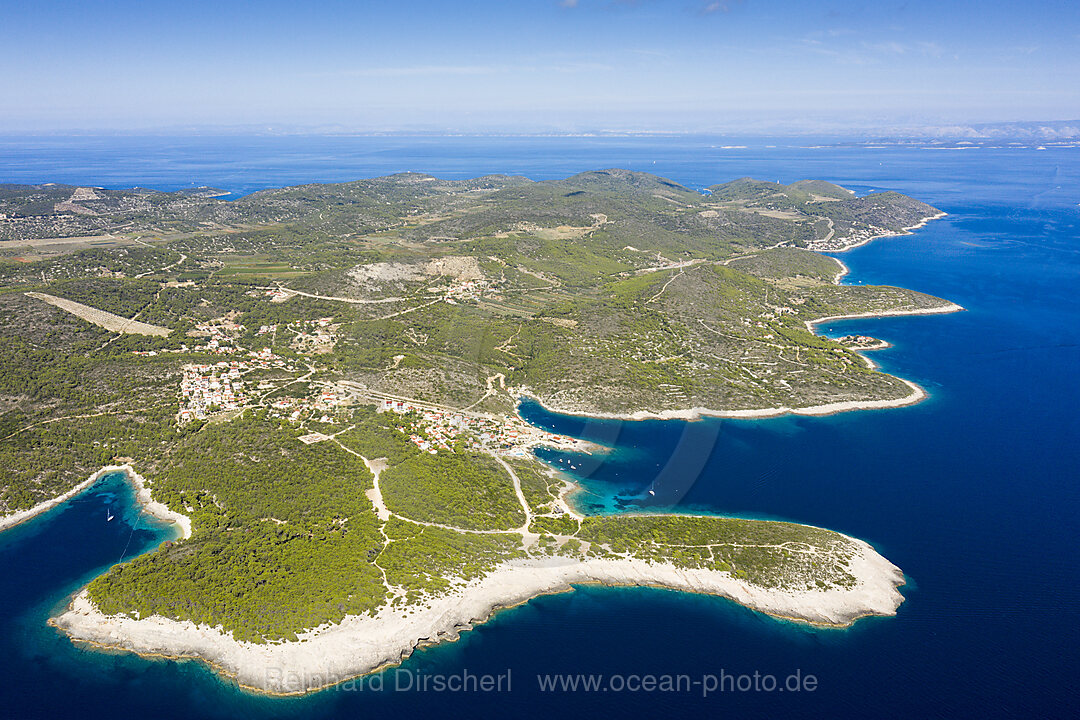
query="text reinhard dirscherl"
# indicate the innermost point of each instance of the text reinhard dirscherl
(464, 681)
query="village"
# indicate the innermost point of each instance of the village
(440, 429)
(207, 389)
(464, 290)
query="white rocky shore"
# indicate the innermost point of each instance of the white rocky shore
(21, 516)
(917, 394)
(142, 493)
(152, 506)
(362, 644)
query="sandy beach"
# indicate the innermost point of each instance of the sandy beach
(152, 506)
(361, 644)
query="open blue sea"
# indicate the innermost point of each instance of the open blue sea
(974, 492)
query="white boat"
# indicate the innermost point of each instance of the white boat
(109, 516)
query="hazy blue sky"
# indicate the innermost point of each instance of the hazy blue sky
(534, 64)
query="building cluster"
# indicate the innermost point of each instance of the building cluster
(440, 429)
(861, 341)
(325, 406)
(265, 359)
(465, 290)
(16, 227)
(298, 409)
(313, 336)
(205, 389)
(219, 336)
(104, 272)
(856, 235)
(777, 312)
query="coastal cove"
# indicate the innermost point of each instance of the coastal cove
(335, 653)
(143, 498)
(961, 490)
(360, 645)
(916, 395)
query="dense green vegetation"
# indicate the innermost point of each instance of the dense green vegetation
(285, 538)
(562, 525)
(607, 291)
(767, 553)
(789, 264)
(465, 490)
(537, 485)
(433, 559)
(250, 470)
(259, 581)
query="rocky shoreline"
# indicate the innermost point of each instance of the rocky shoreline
(362, 644)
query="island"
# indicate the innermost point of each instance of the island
(320, 386)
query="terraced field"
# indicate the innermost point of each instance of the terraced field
(112, 323)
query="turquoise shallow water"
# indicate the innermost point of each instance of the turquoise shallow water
(973, 492)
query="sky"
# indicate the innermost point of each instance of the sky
(535, 65)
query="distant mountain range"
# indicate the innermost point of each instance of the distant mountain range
(1028, 130)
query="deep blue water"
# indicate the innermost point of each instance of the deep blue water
(974, 493)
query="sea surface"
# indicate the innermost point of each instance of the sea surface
(974, 492)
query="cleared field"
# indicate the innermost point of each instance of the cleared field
(259, 269)
(112, 323)
(42, 248)
(90, 240)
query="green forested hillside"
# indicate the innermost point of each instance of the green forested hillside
(294, 313)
